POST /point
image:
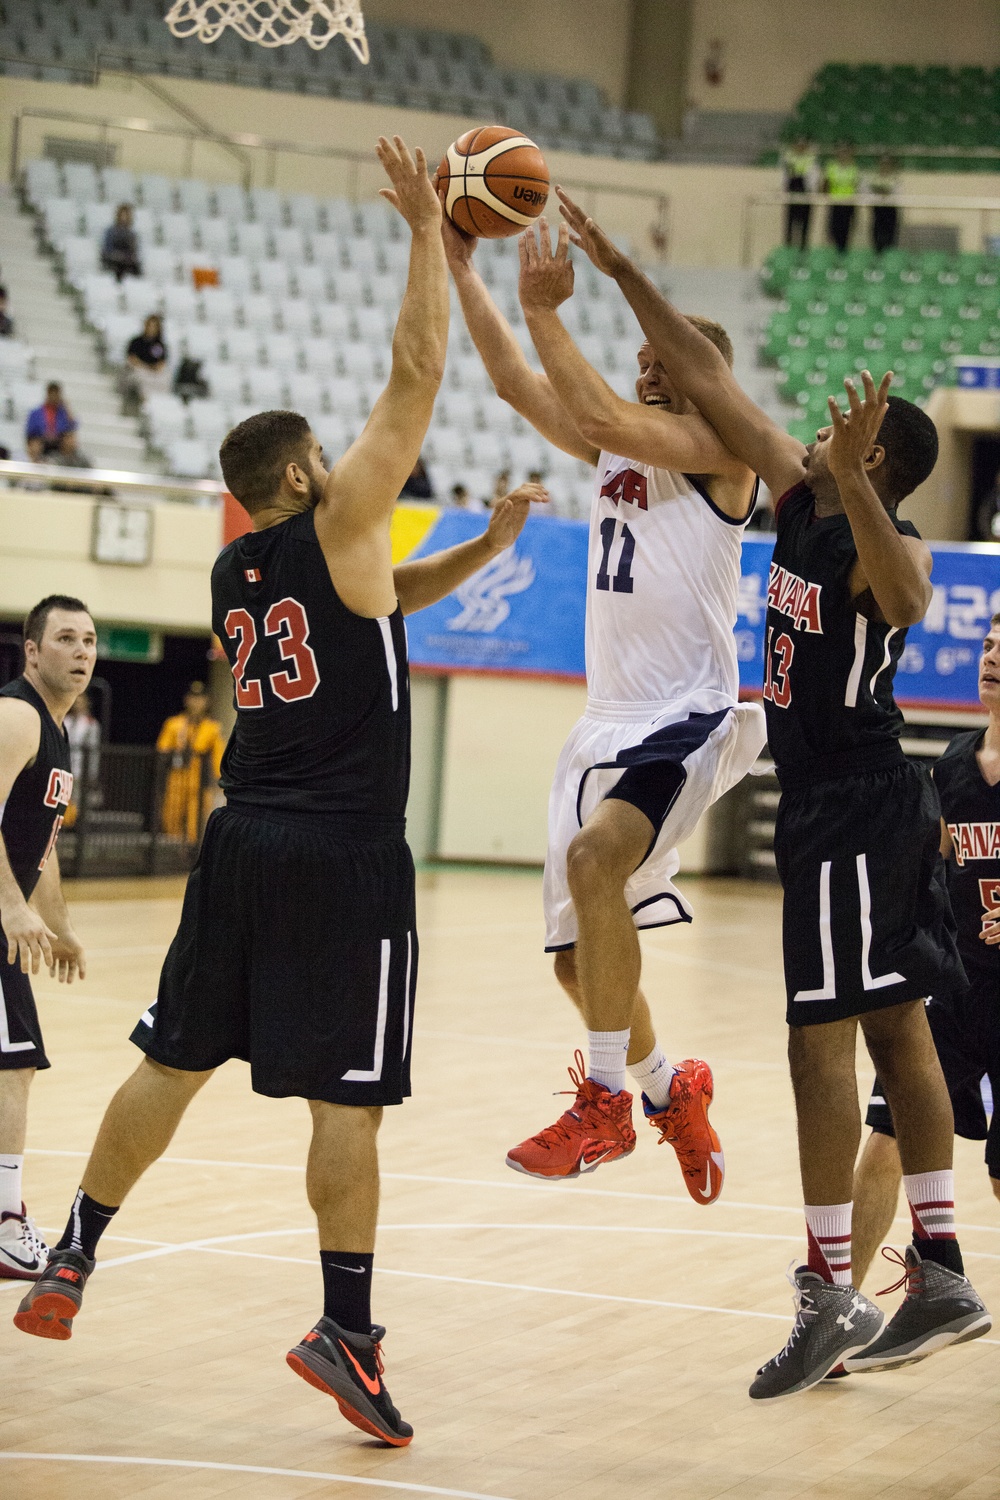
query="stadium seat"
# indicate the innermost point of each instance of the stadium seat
(189, 458)
(242, 346)
(258, 311)
(320, 355)
(265, 387)
(215, 236)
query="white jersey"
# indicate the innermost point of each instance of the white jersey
(662, 592)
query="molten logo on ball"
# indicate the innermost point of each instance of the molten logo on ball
(496, 182)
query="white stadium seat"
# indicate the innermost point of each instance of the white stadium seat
(189, 458)
(268, 205)
(15, 359)
(320, 356)
(218, 306)
(42, 180)
(80, 178)
(303, 211)
(327, 250)
(208, 419)
(266, 388)
(225, 381)
(231, 202)
(177, 231)
(282, 351)
(289, 245)
(62, 218)
(242, 346)
(156, 191)
(215, 236)
(297, 316)
(235, 273)
(253, 241)
(199, 340)
(181, 302)
(160, 263)
(312, 282)
(361, 361)
(274, 277)
(194, 197)
(258, 311)
(334, 320)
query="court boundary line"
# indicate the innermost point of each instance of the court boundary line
(410, 1488)
(571, 1187)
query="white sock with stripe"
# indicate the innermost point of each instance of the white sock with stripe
(11, 1168)
(931, 1196)
(828, 1229)
(606, 1051)
(654, 1076)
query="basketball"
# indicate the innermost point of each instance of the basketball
(497, 182)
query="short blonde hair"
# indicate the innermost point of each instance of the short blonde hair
(715, 333)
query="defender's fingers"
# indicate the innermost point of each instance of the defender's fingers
(853, 399)
(420, 160)
(404, 154)
(566, 205)
(390, 196)
(836, 415)
(562, 242)
(871, 395)
(11, 951)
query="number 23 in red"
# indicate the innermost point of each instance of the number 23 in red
(287, 620)
(777, 687)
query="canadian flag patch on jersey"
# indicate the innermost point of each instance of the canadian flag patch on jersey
(252, 575)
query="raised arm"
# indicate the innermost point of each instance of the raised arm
(428, 579)
(643, 433)
(896, 569)
(514, 380)
(693, 362)
(352, 519)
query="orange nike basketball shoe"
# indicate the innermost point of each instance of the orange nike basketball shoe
(348, 1367)
(684, 1123)
(597, 1128)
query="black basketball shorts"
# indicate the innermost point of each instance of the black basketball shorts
(297, 952)
(20, 1033)
(966, 1032)
(866, 920)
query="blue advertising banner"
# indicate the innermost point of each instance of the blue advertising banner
(939, 667)
(524, 612)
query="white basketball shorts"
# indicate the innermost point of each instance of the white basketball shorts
(703, 755)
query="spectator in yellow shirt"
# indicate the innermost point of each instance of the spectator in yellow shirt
(194, 744)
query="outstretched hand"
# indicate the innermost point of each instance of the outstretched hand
(546, 278)
(508, 516)
(412, 193)
(458, 246)
(855, 431)
(589, 237)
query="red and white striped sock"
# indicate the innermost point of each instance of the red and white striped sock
(829, 1232)
(931, 1196)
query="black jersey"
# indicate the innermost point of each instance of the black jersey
(33, 813)
(971, 809)
(321, 694)
(828, 670)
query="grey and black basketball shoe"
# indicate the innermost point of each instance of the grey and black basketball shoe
(54, 1300)
(348, 1367)
(831, 1323)
(940, 1308)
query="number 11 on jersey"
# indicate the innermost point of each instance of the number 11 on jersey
(621, 583)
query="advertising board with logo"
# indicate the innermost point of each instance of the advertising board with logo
(524, 612)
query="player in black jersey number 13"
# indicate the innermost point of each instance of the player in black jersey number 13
(867, 931)
(297, 947)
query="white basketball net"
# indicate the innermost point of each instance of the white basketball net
(272, 23)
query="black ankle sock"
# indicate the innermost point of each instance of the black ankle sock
(347, 1289)
(87, 1222)
(945, 1252)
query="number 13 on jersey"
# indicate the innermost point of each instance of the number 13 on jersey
(777, 661)
(287, 620)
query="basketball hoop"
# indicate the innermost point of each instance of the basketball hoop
(272, 23)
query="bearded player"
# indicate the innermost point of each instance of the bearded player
(297, 946)
(664, 733)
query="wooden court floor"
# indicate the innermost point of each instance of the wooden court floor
(590, 1341)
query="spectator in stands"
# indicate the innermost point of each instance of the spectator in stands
(120, 246)
(841, 181)
(460, 496)
(988, 514)
(194, 744)
(48, 425)
(146, 358)
(84, 735)
(884, 183)
(6, 321)
(800, 167)
(418, 486)
(501, 487)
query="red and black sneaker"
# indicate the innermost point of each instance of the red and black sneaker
(348, 1367)
(54, 1300)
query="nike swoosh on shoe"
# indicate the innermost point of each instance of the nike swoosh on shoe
(370, 1385)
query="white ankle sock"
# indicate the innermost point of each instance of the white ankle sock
(10, 1183)
(606, 1051)
(654, 1075)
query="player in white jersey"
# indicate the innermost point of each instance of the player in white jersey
(664, 734)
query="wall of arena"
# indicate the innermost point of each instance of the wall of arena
(773, 47)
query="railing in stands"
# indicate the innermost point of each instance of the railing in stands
(356, 174)
(92, 482)
(758, 227)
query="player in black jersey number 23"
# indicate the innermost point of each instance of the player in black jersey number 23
(297, 947)
(867, 930)
(36, 785)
